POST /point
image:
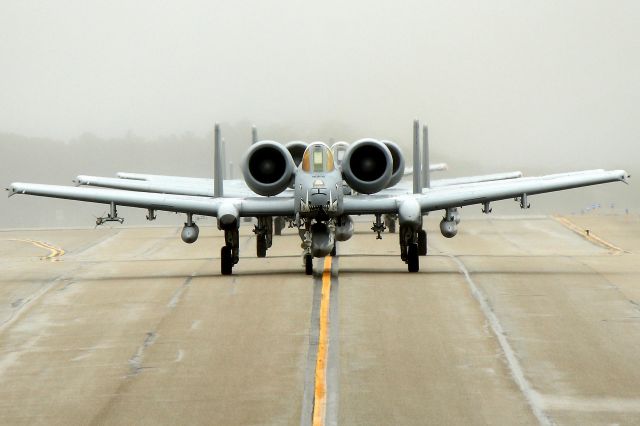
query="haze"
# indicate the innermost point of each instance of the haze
(504, 85)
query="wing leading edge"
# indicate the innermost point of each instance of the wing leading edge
(444, 198)
(246, 207)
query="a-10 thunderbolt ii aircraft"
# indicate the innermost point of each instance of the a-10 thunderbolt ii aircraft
(316, 199)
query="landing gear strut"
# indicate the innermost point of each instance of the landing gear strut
(307, 257)
(264, 235)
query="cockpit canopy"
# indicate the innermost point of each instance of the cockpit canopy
(339, 150)
(318, 158)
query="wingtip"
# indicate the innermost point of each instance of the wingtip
(623, 176)
(11, 191)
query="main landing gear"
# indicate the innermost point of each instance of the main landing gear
(264, 235)
(422, 242)
(230, 253)
(412, 245)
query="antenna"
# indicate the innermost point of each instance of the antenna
(218, 168)
(417, 178)
(254, 134)
(426, 171)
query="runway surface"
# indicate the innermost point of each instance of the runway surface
(514, 321)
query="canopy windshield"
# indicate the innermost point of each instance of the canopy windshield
(318, 158)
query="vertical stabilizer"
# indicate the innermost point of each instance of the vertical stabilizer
(426, 174)
(254, 134)
(417, 178)
(218, 166)
(224, 159)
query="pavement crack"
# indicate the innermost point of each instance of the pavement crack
(135, 362)
(177, 295)
(517, 373)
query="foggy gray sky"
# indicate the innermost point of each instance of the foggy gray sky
(536, 80)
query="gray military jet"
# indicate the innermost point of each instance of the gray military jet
(313, 195)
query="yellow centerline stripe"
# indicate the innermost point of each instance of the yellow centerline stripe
(320, 394)
(55, 251)
(590, 236)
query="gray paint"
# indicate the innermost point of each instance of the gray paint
(426, 172)
(417, 184)
(218, 167)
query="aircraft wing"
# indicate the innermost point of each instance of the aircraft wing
(237, 188)
(433, 167)
(249, 207)
(149, 177)
(406, 187)
(464, 195)
(233, 188)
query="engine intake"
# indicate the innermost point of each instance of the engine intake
(367, 166)
(398, 163)
(296, 149)
(267, 168)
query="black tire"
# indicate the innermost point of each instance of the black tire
(422, 242)
(308, 264)
(333, 250)
(261, 245)
(226, 263)
(413, 260)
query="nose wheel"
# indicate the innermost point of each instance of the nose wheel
(308, 264)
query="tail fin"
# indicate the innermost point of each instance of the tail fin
(218, 166)
(417, 176)
(224, 159)
(426, 167)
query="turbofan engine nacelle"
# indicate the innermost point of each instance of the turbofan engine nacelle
(344, 228)
(190, 233)
(448, 228)
(367, 166)
(296, 149)
(397, 172)
(267, 168)
(321, 240)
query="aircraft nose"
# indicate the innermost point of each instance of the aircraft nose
(319, 199)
